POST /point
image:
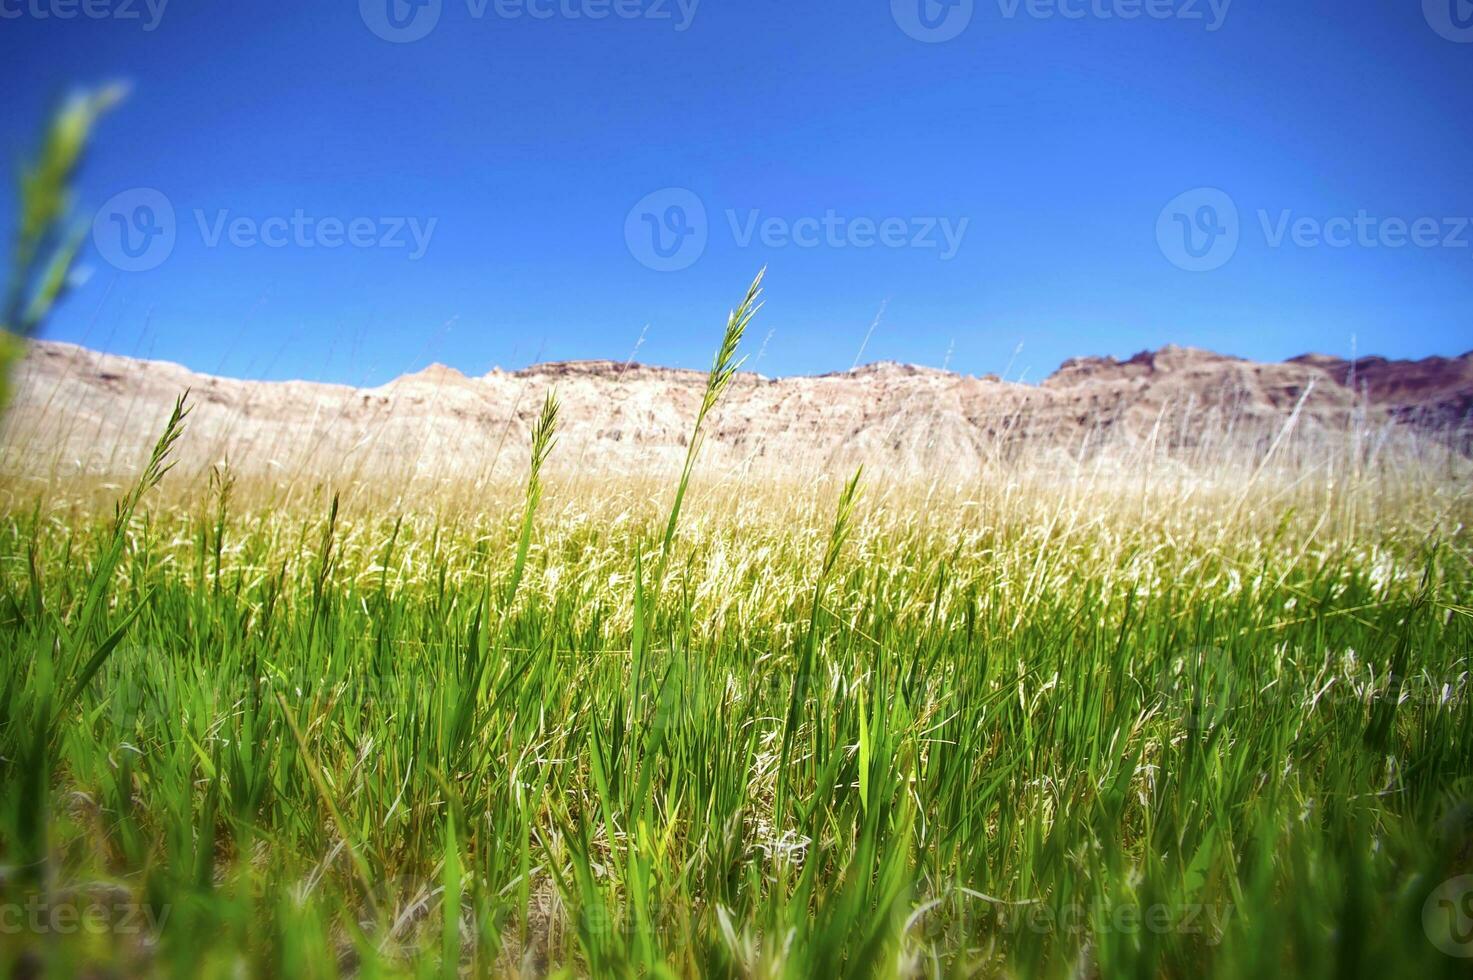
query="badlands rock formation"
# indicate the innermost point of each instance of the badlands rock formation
(78, 412)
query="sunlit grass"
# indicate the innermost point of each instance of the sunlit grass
(1133, 719)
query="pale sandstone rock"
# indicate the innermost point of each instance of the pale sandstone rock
(79, 412)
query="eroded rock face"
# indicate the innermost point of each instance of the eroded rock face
(81, 412)
(1436, 391)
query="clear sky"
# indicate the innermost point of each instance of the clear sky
(584, 173)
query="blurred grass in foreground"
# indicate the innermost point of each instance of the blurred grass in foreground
(47, 235)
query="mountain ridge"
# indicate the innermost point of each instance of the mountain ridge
(96, 412)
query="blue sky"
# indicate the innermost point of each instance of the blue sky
(1056, 175)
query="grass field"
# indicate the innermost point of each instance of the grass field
(1137, 718)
